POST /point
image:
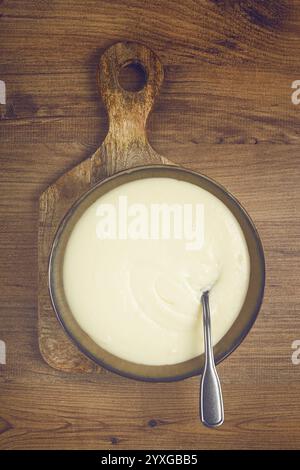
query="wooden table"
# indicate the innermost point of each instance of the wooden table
(225, 110)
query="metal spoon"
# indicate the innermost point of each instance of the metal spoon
(211, 401)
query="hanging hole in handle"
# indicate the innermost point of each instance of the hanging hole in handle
(132, 76)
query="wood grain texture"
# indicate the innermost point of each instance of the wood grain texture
(224, 110)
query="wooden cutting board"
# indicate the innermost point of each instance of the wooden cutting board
(125, 146)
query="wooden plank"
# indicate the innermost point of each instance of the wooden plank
(215, 105)
(117, 415)
(216, 32)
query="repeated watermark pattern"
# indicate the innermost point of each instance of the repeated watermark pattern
(2, 352)
(296, 93)
(177, 221)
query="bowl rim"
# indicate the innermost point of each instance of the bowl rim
(218, 358)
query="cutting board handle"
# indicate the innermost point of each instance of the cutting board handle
(126, 143)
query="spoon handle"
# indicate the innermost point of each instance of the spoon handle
(211, 401)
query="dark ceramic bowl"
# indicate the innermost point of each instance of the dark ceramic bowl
(235, 334)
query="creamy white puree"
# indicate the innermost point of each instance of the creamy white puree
(140, 299)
